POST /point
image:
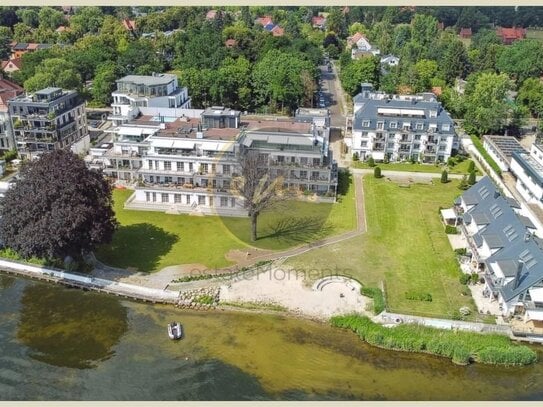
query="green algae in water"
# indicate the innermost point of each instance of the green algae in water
(70, 328)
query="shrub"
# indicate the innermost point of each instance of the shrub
(378, 298)
(461, 252)
(465, 278)
(444, 177)
(355, 157)
(471, 166)
(386, 160)
(205, 299)
(371, 161)
(418, 296)
(451, 162)
(451, 230)
(474, 278)
(463, 185)
(377, 172)
(472, 179)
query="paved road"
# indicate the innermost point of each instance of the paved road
(333, 96)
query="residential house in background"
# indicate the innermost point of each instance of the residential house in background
(510, 35)
(528, 170)
(504, 249)
(360, 46)
(390, 60)
(11, 65)
(465, 33)
(48, 120)
(501, 149)
(137, 91)
(401, 127)
(8, 90)
(318, 22)
(18, 49)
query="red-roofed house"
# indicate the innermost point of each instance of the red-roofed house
(211, 15)
(510, 35)
(130, 25)
(230, 43)
(465, 33)
(277, 31)
(11, 65)
(264, 21)
(318, 22)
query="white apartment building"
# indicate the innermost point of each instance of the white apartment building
(138, 91)
(401, 127)
(528, 169)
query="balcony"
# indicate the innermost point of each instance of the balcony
(184, 187)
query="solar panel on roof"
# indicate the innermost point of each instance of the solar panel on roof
(531, 263)
(483, 191)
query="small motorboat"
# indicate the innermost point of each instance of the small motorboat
(175, 330)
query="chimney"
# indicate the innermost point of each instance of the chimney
(496, 194)
(527, 236)
(518, 274)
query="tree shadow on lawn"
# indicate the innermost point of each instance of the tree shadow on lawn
(298, 229)
(139, 246)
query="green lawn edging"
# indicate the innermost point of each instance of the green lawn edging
(479, 146)
(461, 347)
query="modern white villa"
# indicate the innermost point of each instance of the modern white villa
(137, 91)
(528, 170)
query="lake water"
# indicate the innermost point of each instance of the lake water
(65, 344)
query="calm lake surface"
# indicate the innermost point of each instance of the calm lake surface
(65, 344)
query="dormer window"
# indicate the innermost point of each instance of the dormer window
(419, 126)
(366, 123)
(393, 125)
(380, 125)
(446, 127)
(433, 113)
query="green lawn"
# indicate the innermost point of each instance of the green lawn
(477, 142)
(405, 247)
(460, 168)
(150, 241)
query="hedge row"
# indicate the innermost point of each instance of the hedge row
(461, 347)
(479, 146)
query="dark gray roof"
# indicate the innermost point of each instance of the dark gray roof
(48, 91)
(478, 240)
(527, 222)
(467, 218)
(369, 113)
(512, 202)
(530, 254)
(477, 193)
(494, 241)
(508, 267)
(480, 218)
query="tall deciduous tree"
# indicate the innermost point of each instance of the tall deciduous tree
(522, 60)
(358, 71)
(59, 208)
(54, 72)
(530, 95)
(455, 62)
(487, 109)
(257, 186)
(104, 84)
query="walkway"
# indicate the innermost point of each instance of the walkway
(392, 318)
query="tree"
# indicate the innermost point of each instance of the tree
(5, 49)
(444, 177)
(472, 178)
(522, 60)
(257, 186)
(371, 161)
(471, 166)
(28, 16)
(336, 22)
(423, 29)
(377, 172)
(455, 62)
(87, 20)
(54, 72)
(50, 18)
(487, 109)
(58, 208)
(530, 95)
(425, 70)
(104, 84)
(360, 70)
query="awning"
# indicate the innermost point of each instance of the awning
(536, 294)
(448, 214)
(533, 315)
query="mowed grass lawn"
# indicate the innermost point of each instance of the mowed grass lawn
(405, 247)
(149, 241)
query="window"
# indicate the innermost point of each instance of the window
(226, 169)
(303, 174)
(232, 202)
(154, 196)
(168, 179)
(147, 196)
(417, 137)
(364, 143)
(419, 126)
(191, 167)
(187, 199)
(224, 201)
(177, 198)
(150, 164)
(165, 197)
(390, 145)
(316, 161)
(156, 165)
(393, 125)
(380, 125)
(366, 123)
(201, 200)
(180, 166)
(364, 134)
(446, 127)
(416, 146)
(204, 168)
